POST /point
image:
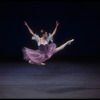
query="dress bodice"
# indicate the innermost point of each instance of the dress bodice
(37, 39)
(43, 48)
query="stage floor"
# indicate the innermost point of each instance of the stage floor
(54, 80)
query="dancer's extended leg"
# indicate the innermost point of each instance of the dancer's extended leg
(63, 45)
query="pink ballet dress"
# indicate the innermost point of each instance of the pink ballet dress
(39, 56)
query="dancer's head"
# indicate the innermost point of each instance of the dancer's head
(44, 34)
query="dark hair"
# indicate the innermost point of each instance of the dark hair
(42, 32)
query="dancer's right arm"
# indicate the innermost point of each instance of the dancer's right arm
(29, 28)
(36, 37)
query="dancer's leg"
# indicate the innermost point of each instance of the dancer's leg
(63, 45)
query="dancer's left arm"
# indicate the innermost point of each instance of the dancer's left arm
(54, 30)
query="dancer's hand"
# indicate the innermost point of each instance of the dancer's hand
(25, 23)
(57, 23)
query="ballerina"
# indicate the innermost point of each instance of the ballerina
(46, 47)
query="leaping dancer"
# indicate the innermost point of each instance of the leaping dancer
(46, 47)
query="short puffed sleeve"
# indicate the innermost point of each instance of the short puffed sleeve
(51, 39)
(35, 37)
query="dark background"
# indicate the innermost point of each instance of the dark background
(78, 20)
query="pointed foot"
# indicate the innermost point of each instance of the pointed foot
(69, 42)
(31, 62)
(42, 63)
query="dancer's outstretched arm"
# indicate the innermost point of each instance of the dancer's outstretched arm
(63, 45)
(36, 36)
(29, 28)
(54, 30)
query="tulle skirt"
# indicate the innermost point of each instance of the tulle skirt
(39, 56)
